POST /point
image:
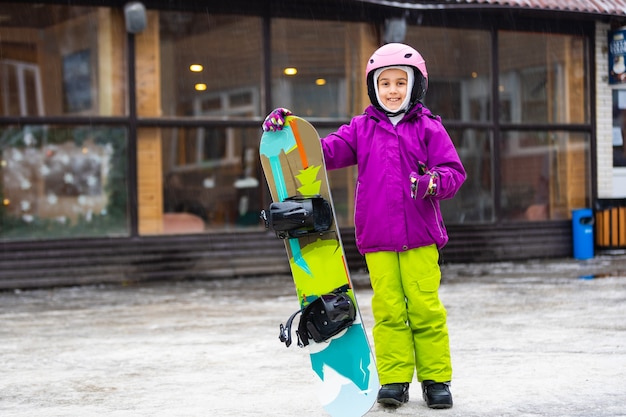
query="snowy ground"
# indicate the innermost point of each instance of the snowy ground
(528, 339)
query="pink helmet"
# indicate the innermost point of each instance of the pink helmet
(397, 54)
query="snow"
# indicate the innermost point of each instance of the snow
(536, 338)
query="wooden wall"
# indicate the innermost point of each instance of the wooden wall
(149, 156)
(231, 255)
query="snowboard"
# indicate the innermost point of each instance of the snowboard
(343, 366)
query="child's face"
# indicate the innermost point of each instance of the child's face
(392, 88)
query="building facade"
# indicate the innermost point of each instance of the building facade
(132, 128)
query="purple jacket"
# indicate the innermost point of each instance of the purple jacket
(386, 218)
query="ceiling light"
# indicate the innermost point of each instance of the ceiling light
(320, 81)
(290, 71)
(196, 68)
(200, 87)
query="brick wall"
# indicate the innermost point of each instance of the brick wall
(604, 114)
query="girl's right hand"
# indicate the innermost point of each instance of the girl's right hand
(276, 119)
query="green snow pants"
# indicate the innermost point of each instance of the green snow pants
(410, 330)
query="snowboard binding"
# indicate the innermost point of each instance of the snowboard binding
(298, 216)
(322, 319)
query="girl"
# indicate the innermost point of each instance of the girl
(406, 164)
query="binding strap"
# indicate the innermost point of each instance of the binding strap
(322, 319)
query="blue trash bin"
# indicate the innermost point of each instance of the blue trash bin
(582, 231)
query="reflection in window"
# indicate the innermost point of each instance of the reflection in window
(212, 175)
(474, 203)
(210, 64)
(62, 182)
(460, 79)
(544, 175)
(542, 78)
(314, 68)
(20, 88)
(78, 50)
(619, 128)
(317, 72)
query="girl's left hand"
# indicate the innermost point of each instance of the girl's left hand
(425, 183)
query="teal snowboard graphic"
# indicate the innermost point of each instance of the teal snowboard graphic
(343, 362)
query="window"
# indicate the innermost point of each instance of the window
(316, 70)
(211, 69)
(459, 90)
(542, 78)
(21, 90)
(210, 64)
(544, 173)
(78, 50)
(546, 177)
(67, 178)
(619, 128)
(459, 71)
(222, 192)
(62, 181)
(217, 146)
(474, 203)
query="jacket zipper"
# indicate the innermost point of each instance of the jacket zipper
(356, 200)
(432, 204)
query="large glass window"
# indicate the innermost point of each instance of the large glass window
(542, 78)
(62, 181)
(459, 89)
(61, 60)
(210, 65)
(317, 72)
(541, 175)
(212, 178)
(316, 68)
(459, 71)
(544, 175)
(619, 128)
(474, 203)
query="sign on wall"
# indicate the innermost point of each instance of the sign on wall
(617, 54)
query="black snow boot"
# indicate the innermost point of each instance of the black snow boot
(394, 394)
(437, 394)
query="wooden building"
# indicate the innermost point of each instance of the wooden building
(129, 130)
